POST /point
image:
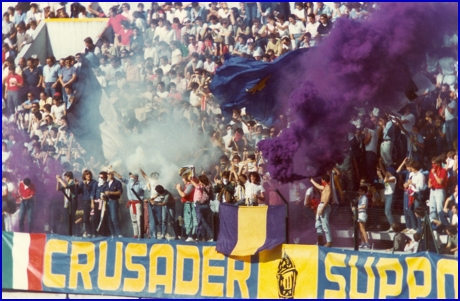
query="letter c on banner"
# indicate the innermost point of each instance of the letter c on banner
(50, 279)
(187, 287)
(421, 264)
(389, 264)
(335, 260)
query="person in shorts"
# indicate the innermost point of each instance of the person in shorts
(362, 216)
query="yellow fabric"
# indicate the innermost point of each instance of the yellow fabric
(252, 230)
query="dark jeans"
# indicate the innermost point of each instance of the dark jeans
(155, 219)
(26, 206)
(451, 132)
(112, 211)
(204, 215)
(12, 101)
(89, 227)
(411, 221)
(371, 166)
(72, 215)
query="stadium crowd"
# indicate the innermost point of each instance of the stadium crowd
(157, 63)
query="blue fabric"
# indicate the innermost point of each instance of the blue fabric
(88, 191)
(388, 207)
(155, 219)
(322, 224)
(138, 187)
(254, 84)
(115, 186)
(27, 206)
(114, 226)
(228, 228)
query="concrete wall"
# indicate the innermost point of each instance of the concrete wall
(40, 45)
(62, 37)
(66, 35)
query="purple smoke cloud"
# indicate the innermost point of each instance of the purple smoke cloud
(360, 64)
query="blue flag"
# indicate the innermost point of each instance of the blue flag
(255, 85)
(246, 230)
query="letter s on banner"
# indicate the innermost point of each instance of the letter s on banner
(335, 260)
(135, 284)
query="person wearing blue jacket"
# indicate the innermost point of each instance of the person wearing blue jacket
(87, 189)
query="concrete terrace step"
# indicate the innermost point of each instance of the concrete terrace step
(388, 236)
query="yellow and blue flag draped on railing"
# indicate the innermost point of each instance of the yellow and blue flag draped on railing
(256, 85)
(247, 230)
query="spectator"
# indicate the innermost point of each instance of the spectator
(87, 188)
(412, 245)
(437, 183)
(67, 76)
(50, 76)
(325, 26)
(19, 15)
(190, 218)
(27, 201)
(33, 78)
(362, 216)
(324, 210)
(22, 38)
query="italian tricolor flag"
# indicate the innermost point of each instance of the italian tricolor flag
(22, 260)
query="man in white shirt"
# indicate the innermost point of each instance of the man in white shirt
(312, 25)
(296, 30)
(180, 12)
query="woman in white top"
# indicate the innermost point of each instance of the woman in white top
(362, 216)
(390, 183)
(58, 110)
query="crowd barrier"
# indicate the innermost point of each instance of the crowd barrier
(176, 269)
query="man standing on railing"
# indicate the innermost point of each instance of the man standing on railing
(27, 197)
(113, 195)
(324, 210)
(134, 204)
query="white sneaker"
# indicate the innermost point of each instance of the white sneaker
(85, 236)
(411, 231)
(390, 230)
(405, 230)
(209, 240)
(189, 239)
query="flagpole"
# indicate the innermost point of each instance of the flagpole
(70, 211)
(141, 235)
(287, 215)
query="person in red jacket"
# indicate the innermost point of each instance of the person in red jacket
(437, 182)
(27, 197)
